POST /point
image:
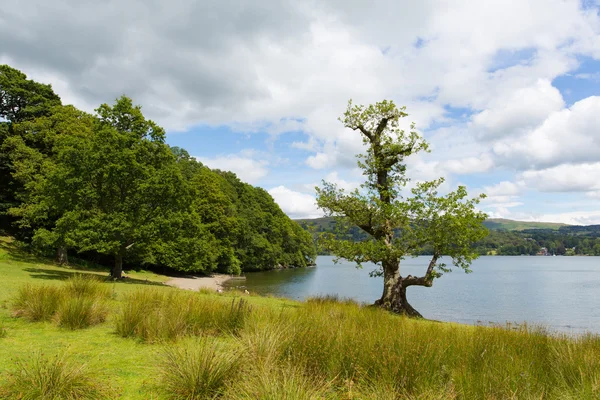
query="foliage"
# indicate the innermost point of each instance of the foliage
(58, 377)
(398, 223)
(20, 100)
(107, 185)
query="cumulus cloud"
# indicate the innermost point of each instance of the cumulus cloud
(516, 111)
(247, 169)
(286, 66)
(295, 204)
(568, 136)
(564, 178)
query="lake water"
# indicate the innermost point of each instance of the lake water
(561, 293)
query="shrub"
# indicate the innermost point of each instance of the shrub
(37, 303)
(198, 369)
(52, 378)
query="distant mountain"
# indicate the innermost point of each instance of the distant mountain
(327, 223)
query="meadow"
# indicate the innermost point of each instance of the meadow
(69, 333)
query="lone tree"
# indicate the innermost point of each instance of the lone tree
(400, 222)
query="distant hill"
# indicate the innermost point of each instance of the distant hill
(327, 223)
(510, 225)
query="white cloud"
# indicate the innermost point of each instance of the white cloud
(504, 188)
(564, 178)
(569, 135)
(333, 177)
(247, 169)
(518, 110)
(589, 76)
(295, 204)
(572, 218)
(468, 165)
(284, 65)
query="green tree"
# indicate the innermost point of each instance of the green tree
(399, 224)
(31, 151)
(21, 99)
(117, 187)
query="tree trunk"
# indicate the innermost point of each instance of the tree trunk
(61, 256)
(118, 268)
(394, 294)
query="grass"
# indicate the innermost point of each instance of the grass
(79, 303)
(153, 315)
(198, 369)
(57, 377)
(157, 342)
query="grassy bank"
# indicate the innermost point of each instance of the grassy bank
(139, 339)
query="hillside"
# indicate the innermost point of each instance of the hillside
(327, 223)
(511, 225)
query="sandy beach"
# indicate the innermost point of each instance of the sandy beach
(214, 282)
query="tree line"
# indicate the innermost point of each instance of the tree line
(107, 187)
(566, 240)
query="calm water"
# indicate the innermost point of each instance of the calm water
(562, 293)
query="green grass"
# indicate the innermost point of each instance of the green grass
(510, 225)
(57, 377)
(158, 342)
(198, 369)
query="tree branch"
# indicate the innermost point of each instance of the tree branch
(426, 280)
(364, 131)
(382, 124)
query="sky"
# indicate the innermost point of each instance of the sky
(507, 92)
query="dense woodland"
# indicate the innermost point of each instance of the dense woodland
(106, 187)
(561, 240)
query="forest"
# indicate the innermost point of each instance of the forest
(108, 188)
(559, 240)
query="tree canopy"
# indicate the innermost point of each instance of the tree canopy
(107, 185)
(399, 220)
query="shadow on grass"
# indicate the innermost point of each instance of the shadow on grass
(17, 253)
(51, 274)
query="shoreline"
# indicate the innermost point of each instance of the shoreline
(214, 282)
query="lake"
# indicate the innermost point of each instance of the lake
(561, 293)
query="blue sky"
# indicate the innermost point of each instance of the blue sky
(507, 92)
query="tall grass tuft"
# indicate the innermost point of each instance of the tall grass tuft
(52, 378)
(153, 315)
(79, 303)
(37, 303)
(80, 312)
(3, 331)
(90, 286)
(275, 383)
(197, 369)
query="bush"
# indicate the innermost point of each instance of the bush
(198, 369)
(52, 378)
(153, 315)
(37, 303)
